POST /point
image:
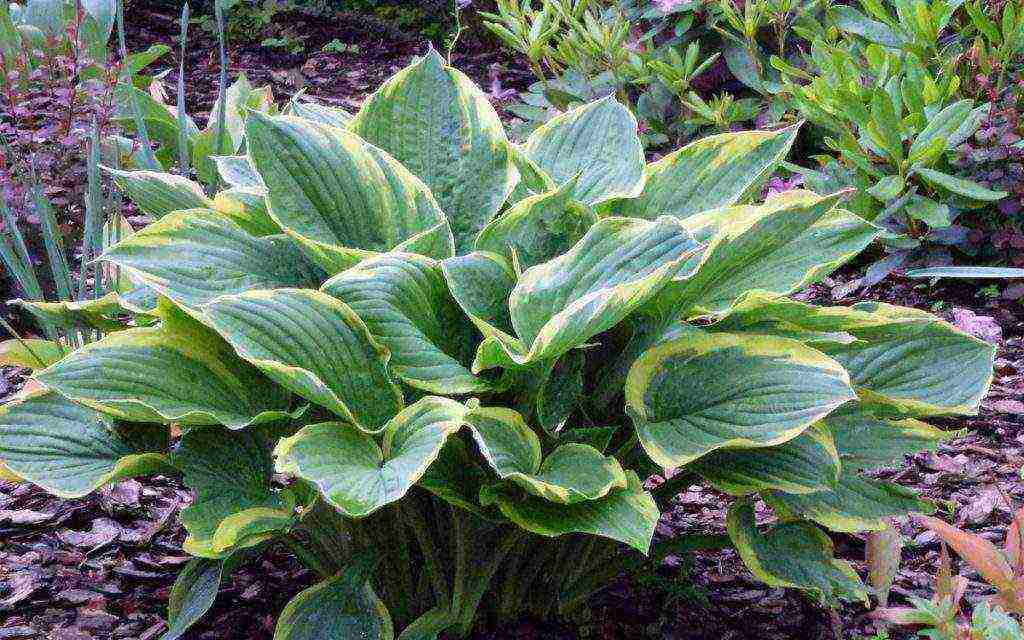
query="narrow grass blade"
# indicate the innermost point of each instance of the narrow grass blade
(183, 161)
(140, 124)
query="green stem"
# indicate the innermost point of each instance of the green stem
(430, 556)
(483, 579)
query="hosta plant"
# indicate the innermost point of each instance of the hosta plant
(443, 368)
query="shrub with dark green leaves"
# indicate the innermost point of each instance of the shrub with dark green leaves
(440, 366)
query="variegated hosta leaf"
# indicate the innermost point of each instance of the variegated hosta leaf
(247, 209)
(99, 313)
(405, 302)
(780, 246)
(899, 359)
(324, 114)
(854, 504)
(356, 475)
(481, 284)
(620, 264)
(315, 346)
(194, 257)
(599, 143)
(570, 474)
(32, 353)
(867, 442)
(192, 595)
(560, 391)
(702, 392)
(710, 173)
(793, 554)
(342, 198)
(538, 228)
(238, 172)
(457, 477)
(230, 473)
(628, 515)
(805, 464)
(339, 608)
(178, 371)
(69, 449)
(158, 194)
(440, 125)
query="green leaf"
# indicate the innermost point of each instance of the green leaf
(161, 123)
(933, 214)
(230, 472)
(898, 358)
(805, 464)
(405, 302)
(598, 142)
(247, 209)
(628, 516)
(782, 246)
(340, 608)
(357, 476)
(440, 125)
(852, 21)
(238, 172)
(192, 595)
(194, 257)
(793, 554)
(867, 442)
(481, 284)
(942, 126)
(710, 173)
(854, 504)
(703, 392)
(70, 450)
(960, 186)
(31, 353)
(178, 371)
(620, 264)
(570, 474)
(888, 188)
(315, 346)
(560, 391)
(538, 228)
(158, 194)
(321, 113)
(340, 197)
(99, 313)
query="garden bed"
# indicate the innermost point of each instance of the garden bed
(101, 567)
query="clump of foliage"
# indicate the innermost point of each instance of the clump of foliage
(440, 366)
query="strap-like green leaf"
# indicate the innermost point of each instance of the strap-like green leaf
(341, 608)
(960, 186)
(598, 142)
(805, 464)
(620, 264)
(158, 194)
(404, 300)
(178, 371)
(230, 472)
(897, 357)
(70, 450)
(538, 228)
(356, 475)
(854, 504)
(315, 346)
(628, 515)
(440, 125)
(781, 246)
(710, 173)
(194, 257)
(340, 197)
(702, 392)
(792, 554)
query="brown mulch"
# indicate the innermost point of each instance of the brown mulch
(101, 567)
